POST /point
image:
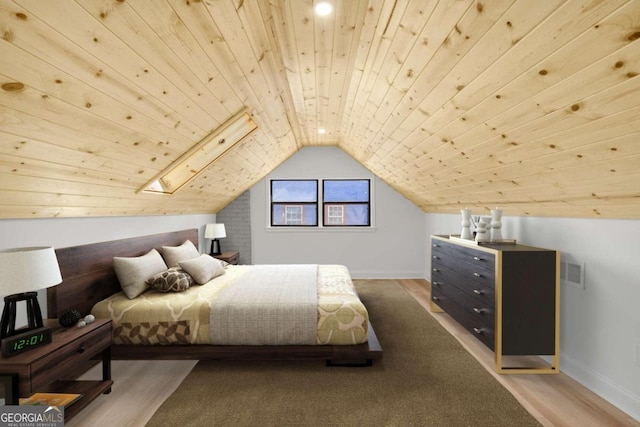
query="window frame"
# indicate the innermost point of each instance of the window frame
(319, 206)
(272, 205)
(326, 205)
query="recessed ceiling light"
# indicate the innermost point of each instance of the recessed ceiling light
(321, 131)
(323, 8)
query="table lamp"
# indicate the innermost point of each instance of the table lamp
(215, 232)
(24, 271)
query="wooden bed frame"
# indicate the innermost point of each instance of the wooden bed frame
(89, 277)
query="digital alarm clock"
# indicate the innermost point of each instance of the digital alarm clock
(25, 341)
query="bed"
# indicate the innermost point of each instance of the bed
(90, 283)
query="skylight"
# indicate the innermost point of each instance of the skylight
(202, 155)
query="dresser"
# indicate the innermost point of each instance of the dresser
(506, 295)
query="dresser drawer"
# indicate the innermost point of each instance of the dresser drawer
(482, 289)
(479, 329)
(455, 253)
(471, 304)
(65, 360)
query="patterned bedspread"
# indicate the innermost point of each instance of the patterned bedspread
(156, 318)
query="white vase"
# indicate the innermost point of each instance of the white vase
(466, 224)
(482, 230)
(496, 224)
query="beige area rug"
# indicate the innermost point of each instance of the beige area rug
(425, 378)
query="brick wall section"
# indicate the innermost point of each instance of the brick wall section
(237, 223)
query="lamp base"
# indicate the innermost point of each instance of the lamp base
(215, 247)
(34, 315)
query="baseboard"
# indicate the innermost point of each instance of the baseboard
(622, 399)
(370, 274)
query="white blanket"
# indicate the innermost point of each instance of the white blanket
(269, 305)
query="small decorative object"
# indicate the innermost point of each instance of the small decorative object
(482, 231)
(496, 224)
(81, 324)
(466, 224)
(89, 318)
(70, 318)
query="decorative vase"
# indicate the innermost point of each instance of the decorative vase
(496, 224)
(466, 224)
(482, 232)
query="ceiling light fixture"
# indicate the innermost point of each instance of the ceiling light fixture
(202, 155)
(323, 8)
(321, 131)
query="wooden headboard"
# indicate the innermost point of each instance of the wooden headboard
(87, 271)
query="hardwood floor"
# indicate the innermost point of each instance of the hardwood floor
(140, 387)
(555, 400)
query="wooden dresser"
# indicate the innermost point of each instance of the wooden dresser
(507, 295)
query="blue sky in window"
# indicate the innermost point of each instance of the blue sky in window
(346, 191)
(294, 191)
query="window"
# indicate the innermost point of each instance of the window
(294, 202)
(346, 202)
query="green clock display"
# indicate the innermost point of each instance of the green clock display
(25, 341)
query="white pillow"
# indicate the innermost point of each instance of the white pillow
(203, 268)
(174, 254)
(133, 272)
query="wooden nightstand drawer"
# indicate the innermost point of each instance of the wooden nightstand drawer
(52, 367)
(62, 363)
(230, 257)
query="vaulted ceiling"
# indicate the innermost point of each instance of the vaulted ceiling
(533, 106)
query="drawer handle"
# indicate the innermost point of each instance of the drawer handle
(477, 331)
(435, 257)
(479, 310)
(437, 283)
(435, 245)
(477, 274)
(436, 299)
(81, 350)
(477, 258)
(435, 269)
(478, 291)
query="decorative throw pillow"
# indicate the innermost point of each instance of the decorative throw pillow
(174, 254)
(203, 268)
(171, 280)
(133, 272)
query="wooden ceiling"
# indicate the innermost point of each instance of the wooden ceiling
(532, 106)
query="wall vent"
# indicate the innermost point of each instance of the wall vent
(572, 272)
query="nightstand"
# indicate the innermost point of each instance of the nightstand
(230, 257)
(52, 367)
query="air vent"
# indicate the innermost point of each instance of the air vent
(572, 272)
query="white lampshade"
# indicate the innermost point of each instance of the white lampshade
(28, 269)
(215, 231)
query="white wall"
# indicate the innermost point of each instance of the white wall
(600, 325)
(65, 232)
(394, 247)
